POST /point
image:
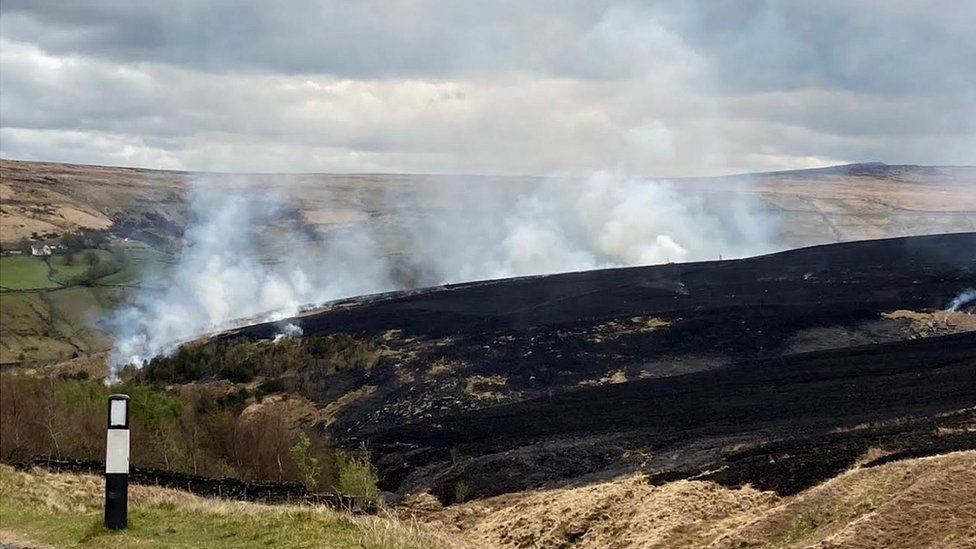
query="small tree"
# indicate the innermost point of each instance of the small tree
(356, 476)
(308, 465)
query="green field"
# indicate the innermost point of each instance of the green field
(65, 274)
(24, 273)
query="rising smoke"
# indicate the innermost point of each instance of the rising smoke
(961, 300)
(605, 220)
(231, 269)
(445, 232)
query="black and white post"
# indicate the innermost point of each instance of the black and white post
(117, 463)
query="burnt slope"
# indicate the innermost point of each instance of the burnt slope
(813, 413)
(713, 356)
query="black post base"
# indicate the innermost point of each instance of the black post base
(116, 500)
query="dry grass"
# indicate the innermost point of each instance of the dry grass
(936, 323)
(925, 502)
(626, 512)
(617, 376)
(328, 413)
(65, 510)
(613, 329)
(486, 387)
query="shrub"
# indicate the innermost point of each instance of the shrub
(356, 477)
(308, 465)
(194, 429)
(91, 259)
(272, 385)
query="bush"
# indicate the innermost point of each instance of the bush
(91, 259)
(272, 385)
(307, 464)
(193, 429)
(356, 477)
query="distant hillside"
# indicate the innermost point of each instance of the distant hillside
(817, 206)
(50, 309)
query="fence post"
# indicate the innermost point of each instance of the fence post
(117, 463)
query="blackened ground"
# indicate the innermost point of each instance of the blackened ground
(781, 424)
(487, 387)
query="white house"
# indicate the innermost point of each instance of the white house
(40, 249)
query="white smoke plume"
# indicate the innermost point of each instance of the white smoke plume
(290, 330)
(605, 220)
(961, 300)
(223, 274)
(445, 232)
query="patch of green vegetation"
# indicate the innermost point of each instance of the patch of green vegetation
(308, 465)
(64, 510)
(26, 330)
(67, 269)
(24, 273)
(304, 362)
(356, 476)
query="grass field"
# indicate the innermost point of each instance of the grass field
(66, 511)
(24, 273)
(64, 274)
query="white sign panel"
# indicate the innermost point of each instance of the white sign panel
(117, 413)
(117, 451)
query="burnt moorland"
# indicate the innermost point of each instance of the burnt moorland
(780, 370)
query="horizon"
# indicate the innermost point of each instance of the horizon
(489, 175)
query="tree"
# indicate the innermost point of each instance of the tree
(308, 466)
(91, 259)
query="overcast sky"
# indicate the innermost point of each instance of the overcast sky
(649, 88)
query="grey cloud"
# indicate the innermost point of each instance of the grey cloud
(659, 88)
(356, 39)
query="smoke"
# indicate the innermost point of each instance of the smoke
(241, 262)
(288, 331)
(961, 300)
(605, 220)
(238, 264)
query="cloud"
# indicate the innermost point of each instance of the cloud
(656, 88)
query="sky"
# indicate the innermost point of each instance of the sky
(522, 88)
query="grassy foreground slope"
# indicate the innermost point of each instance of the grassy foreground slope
(914, 503)
(65, 511)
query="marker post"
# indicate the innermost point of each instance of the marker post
(117, 463)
